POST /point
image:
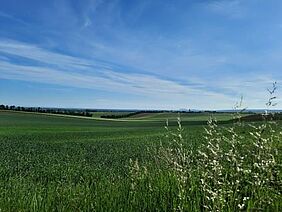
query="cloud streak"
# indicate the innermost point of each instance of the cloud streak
(12, 18)
(228, 8)
(65, 70)
(71, 71)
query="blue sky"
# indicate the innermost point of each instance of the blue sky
(141, 54)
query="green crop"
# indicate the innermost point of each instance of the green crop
(54, 163)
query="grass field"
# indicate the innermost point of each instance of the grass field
(171, 116)
(57, 163)
(184, 116)
(99, 114)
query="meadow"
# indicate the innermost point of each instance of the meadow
(61, 163)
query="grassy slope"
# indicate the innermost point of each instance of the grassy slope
(66, 163)
(99, 114)
(61, 162)
(184, 116)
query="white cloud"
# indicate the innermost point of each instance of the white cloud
(44, 56)
(75, 72)
(60, 69)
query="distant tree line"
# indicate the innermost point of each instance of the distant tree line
(88, 112)
(119, 116)
(73, 112)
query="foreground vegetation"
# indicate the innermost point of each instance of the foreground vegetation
(51, 163)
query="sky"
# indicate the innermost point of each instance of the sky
(139, 54)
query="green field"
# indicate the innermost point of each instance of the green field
(99, 114)
(60, 163)
(183, 116)
(163, 116)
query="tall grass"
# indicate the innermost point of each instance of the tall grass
(235, 168)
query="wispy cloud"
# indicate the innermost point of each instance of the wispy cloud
(79, 72)
(11, 17)
(65, 70)
(44, 56)
(228, 8)
(71, 71)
